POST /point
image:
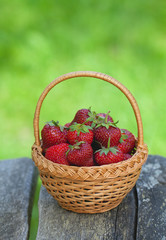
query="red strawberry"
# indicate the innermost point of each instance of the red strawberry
(102, 134)
(52, 134)
(104, 115)
(80, 154)
(127, 141)
(108, 155)
(89, 163)
(81, 115)
(57, 153)
(79, 132)
(105, 130)
(67, 125)
(113, 156)
(126, 156)
(85, 116)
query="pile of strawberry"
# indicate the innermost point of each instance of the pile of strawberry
(90, 139)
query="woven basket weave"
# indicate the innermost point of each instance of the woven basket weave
(89, 189)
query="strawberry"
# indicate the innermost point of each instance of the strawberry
(127, 141)
(57, 153)
(102, 135)
(80, 154)
(126, 156)
(103, 131)
(89, 163)
(108, 155)
(85, 116)
(52, 134)
(104, 115)
(81, 116)
(113, 156)
(79, 132)
(67, 125)
(106, 129)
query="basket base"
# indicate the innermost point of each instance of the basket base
(89, 197)
(91, 209)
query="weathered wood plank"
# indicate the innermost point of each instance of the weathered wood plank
(60, 224)
(17, 184)
(126, 218)
(151, 192)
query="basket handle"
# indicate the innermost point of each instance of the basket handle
(101, 76)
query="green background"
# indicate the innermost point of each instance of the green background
(41, 40)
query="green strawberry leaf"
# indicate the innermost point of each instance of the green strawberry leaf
(106, 125)
(100, 118)
(92, 116)
(123, 137)
(80, 128)
(114, 150)
(98, 125)
(89, 109)
(76, 145)
(85, 129)
(72, 127)
(68, 150)
(93, 124)
(115, 123)
(79, 143)
(62, 128)
(53, 123)
(122, 131)
(104, 150)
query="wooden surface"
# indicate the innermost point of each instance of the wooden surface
(151, 197)
(58, 223)
(17, 186)
(141, 215)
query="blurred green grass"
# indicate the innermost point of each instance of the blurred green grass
(41, 40)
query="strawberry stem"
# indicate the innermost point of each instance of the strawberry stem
(109, 139)
(106, 117)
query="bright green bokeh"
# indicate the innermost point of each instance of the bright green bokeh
(41, 40)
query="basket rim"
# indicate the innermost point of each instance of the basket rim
(94, 172)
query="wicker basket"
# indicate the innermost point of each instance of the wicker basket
(89, 189)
